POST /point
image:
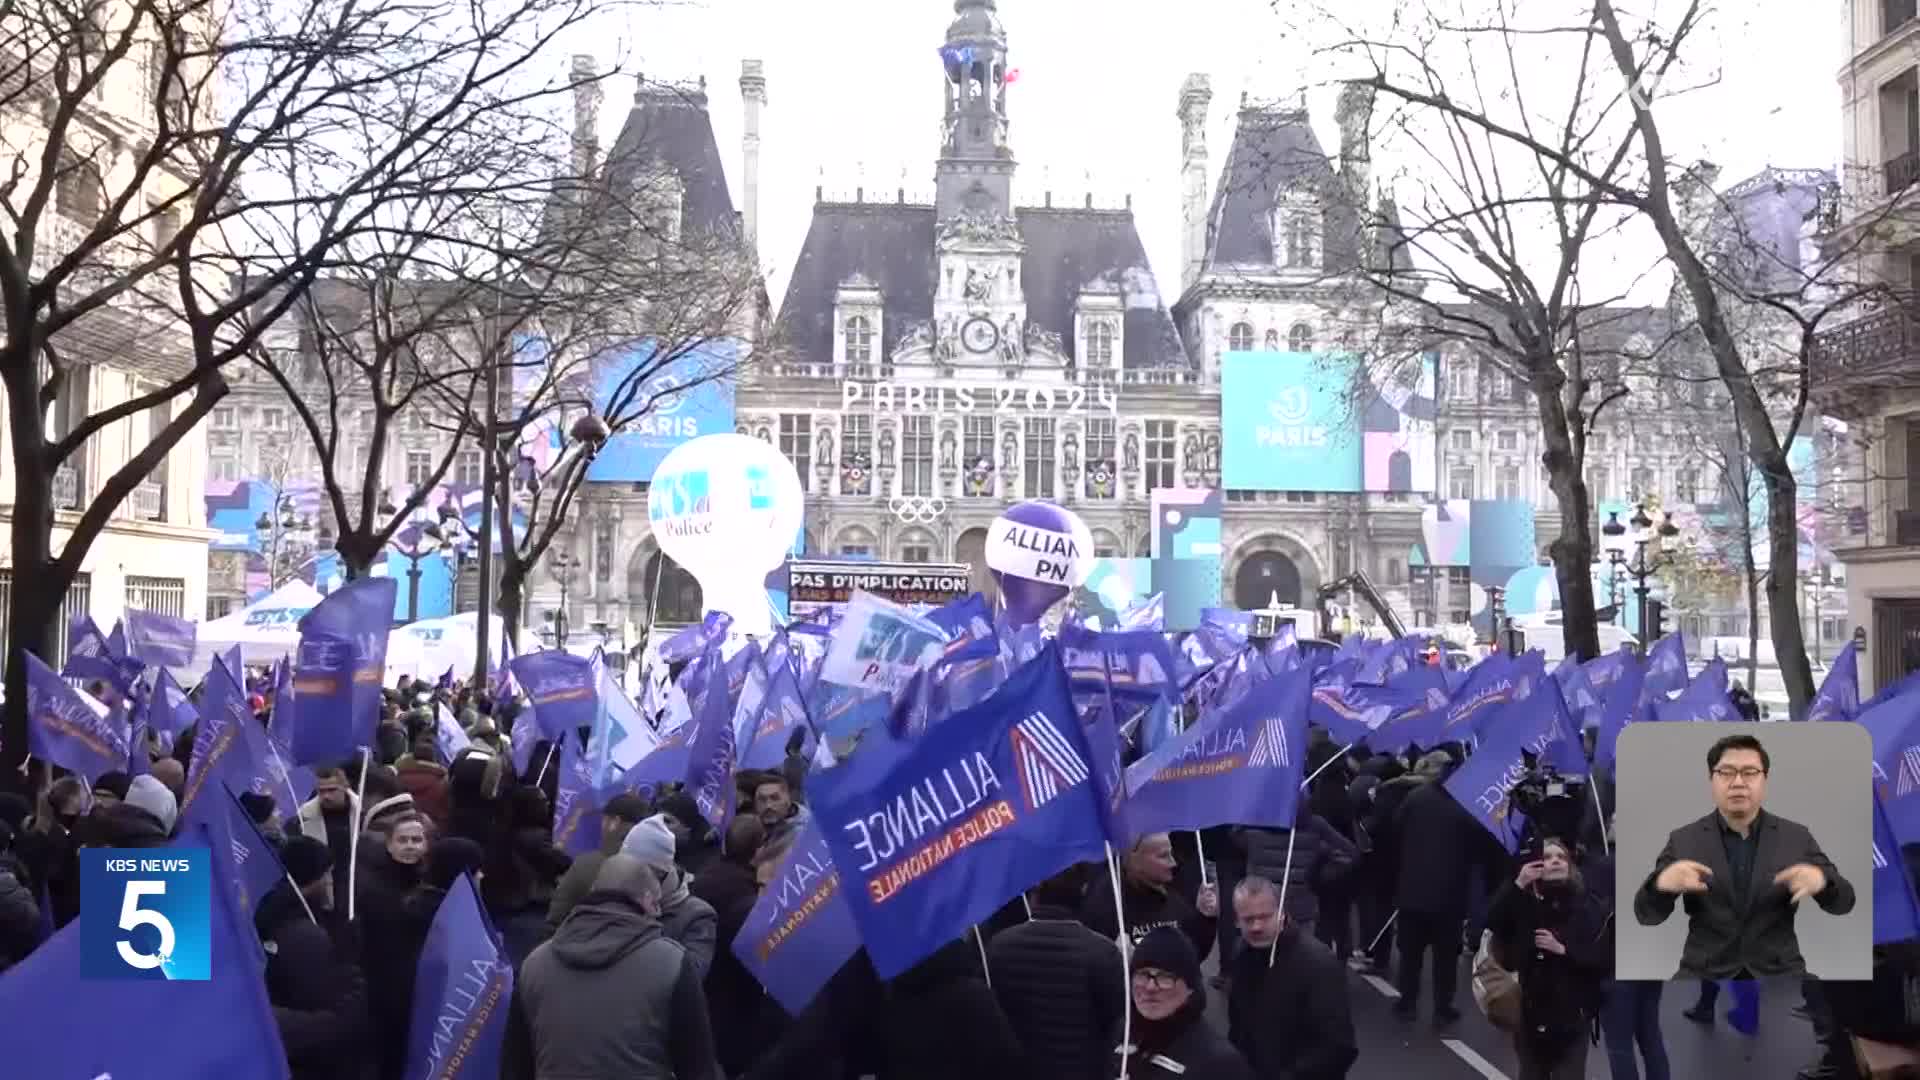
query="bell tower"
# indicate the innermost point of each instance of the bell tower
(975, 172)
(979, 303)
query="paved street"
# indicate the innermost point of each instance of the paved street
(1472, 1050)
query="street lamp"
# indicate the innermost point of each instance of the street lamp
(562, 565)
(448, 534)
(289, 540)
(1641, 567)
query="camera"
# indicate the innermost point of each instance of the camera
(1552, 803)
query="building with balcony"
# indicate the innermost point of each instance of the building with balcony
(1867, 367)
(152, 553)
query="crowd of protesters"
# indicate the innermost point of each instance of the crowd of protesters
(625, 966)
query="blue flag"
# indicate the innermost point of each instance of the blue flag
(342, 662)
(1621, 707)
(87, 654)
(253, 867)
(158, 640)
(462, 991)
(576, 809)
(1483, 784)
(160, 1029)
(1896, 914)
(70, 728)
(168, 710)
(563, 689)
(1839, 695)
(1238, 766)
(1134, 664)
(710, 749)
(933, 836)
(801, 930)
(230, 746)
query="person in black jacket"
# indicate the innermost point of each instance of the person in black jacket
(19, 910)
(1169, 1034)
(319, 997)
(1439, 847)
(1743, 873)
(941, 1020)
(1060, 983)
(1151, 900)
(1288, 1011)
(1552, 933)
(734, 996)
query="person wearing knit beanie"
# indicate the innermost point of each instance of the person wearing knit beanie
(146, 793)
(308, 862)
(651, 842)
(1170, 1036)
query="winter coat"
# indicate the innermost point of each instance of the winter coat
(1559, 994)
(122, 825)
(319, 996)
(578, 881)
(1292, 1019)
(1440, 847)
(1062, 987)
(942, 1022)
(1321, 858)
(1146, 909)
(427, 783)
(688, 920)
(610, 997)
(19, 914)
(734, 996)
(1181, 1047)
(393, 937)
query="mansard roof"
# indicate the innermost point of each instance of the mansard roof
(893, 245)
(1274, 153)
(668, 126)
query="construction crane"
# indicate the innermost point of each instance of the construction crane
(1357, 582)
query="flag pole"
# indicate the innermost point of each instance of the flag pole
(1600, 815)
(1286, 873)
(986, 969)
(353, 841)
(1324, 765)
(1120, 920)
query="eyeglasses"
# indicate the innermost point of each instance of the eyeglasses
(1155, 980)
(1729, 774)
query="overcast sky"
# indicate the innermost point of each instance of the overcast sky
(854, 96)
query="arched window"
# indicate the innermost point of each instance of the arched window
(1240, 338)
(1099, 345)
(1686, 486)
(859, 340)
(1300, 338)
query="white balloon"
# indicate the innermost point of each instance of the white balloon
(727, 508)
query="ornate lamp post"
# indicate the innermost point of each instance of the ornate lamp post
(1640, 566)
(448, 534)
(288, 540)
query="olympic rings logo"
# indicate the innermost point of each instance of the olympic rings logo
(917, 509)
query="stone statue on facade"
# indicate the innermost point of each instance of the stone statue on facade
(886, 450)
(1131, 453)
(1009, 456)
(823, 444)
(949, 450)
(978, 289)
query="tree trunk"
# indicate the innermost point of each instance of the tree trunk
(1753, 622)
(509, 597)
(33, 612)
(1783, 581)
(357, 553)
(1572, 550)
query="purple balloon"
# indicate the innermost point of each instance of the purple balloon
(1024, 599)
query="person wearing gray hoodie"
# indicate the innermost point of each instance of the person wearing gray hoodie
(685, 917)
(611, 996)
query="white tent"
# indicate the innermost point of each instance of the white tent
(265, 630)
(427, 648)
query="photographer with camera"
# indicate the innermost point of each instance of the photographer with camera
(1556, 936)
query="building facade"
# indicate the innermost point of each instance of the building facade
(152, 553)
(1868, 369)
(932, 363)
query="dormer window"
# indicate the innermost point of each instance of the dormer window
(1300, 338)
(1100, 345)
(1296, 232)
(859, 340)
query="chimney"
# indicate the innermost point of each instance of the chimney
(1196, 94)
(586, 114)
(1354, 115)
(1695, 198)
(753, 96)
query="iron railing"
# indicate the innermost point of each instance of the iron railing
(150, 502)
(1869, 350)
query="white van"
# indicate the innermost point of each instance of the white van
(1545, 633)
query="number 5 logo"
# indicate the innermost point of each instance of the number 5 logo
(133, 916)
